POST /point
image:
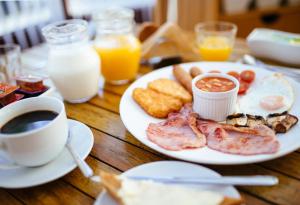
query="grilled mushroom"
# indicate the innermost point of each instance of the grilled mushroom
(253, 120)
(281, 122)
(238, 120)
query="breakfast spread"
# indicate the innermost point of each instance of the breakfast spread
(27, 86)
(194, 71)
(8, 95)
(30, 85)
(183, 78)
(279, 122)
(177, 132)
(215, 84)
(156, 104)
(229, 113)
(170, 88)
(162, 97)
(135, 192)
(274, 94)
(215, 95)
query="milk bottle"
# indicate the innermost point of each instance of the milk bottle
(73, 64)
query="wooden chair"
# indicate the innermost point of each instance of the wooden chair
(189, 12)
(21, 21)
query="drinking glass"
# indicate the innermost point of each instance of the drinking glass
(215, 40)
(10, 65)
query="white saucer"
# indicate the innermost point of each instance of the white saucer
(82, 141)
(172, 168)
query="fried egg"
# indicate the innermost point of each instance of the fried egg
(274, 94)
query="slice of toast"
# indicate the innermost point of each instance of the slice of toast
(156, 104)
(171, 88)
(113, 184)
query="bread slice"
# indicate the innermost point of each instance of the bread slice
(156, 104)
(115, 186)
(171, 88)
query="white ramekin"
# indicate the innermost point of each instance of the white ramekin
(215, 105)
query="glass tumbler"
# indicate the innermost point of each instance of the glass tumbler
(10, 65)
(215, 40)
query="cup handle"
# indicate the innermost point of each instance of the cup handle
(6, 165)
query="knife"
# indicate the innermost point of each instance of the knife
(256, 180)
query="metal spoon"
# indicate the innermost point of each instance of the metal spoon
(83, 166)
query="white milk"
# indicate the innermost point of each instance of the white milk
(73, 64)
(75, 72)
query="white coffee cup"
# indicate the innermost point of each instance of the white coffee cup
(39, 146)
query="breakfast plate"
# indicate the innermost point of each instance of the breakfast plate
(172, 168)
(136, 120)
(82, 141)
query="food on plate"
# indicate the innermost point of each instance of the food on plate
(247, 76)
(234, 74)
(214, 71)
(137, 192)
(281, 122)
(154, 103)
(195, 71)
(273, 95)
(171, 88)
(215, 84)
(176, 133)
(183, 77)
(225, 138)
(185, 129)
(8, 94)
(243, 87)
(30, 83)
(245, 120)
(215, 95)
(253, 120)
(238, 120)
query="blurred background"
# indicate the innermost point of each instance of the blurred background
(21, 21)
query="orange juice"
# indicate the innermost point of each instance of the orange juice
(215, 48)
(120, 57)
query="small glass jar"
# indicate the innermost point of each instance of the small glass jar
(73, 63)
(116, 44)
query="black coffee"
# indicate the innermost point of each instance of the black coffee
(28, 121)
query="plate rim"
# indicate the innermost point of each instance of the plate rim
(162, 151)
(213, 172)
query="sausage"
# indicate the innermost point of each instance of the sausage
(194, 71)
(183, 77)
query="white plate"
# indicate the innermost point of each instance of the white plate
(82, 141)
(136, 120)
(172, 168)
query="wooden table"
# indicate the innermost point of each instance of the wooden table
(116, 150)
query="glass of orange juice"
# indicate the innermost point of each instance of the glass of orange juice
(118, 48)
(215, 40)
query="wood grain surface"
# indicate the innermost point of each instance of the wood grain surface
(116, 150)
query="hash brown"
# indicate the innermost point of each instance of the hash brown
(171, 88)
(156, 104)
